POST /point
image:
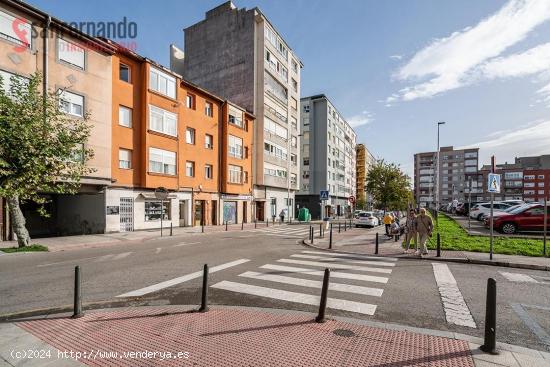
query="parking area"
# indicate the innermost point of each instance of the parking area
(476, 227)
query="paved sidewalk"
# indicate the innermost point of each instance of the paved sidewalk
(230, 336)
(362, 241)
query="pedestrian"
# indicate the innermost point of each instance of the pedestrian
(424, 228)
(282, 216)
(388, 219)
(410, 231)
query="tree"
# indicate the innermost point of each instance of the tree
(389, 186)
(41, 148)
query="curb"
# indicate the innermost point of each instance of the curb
(453, 260)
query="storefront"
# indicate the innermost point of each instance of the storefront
(236, 208)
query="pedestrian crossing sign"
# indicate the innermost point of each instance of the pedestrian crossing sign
(324, 194)
(493, 185)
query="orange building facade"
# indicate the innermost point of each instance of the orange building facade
(168, 133)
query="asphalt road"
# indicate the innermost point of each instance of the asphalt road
(265, 275)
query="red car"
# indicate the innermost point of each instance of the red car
(528, 217)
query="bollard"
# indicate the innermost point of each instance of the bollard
(324, 293)
(376, 244)
(438, 249)
(345, 226)
(255, 224)
(339, 227)
(320, 230)
(242, 225)
(267, 222)
(312, 235)
(77, 295)
(489, 342)
(170, 228)
(330, 238)
(202, 226)
(273, 220)
(226, 225)
(204, 298)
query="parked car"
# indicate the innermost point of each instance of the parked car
(485, 208)
(507, 210)
(366, 219)
(528, 217)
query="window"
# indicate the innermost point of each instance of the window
(209, 141)
(275, 150)
(70, 53)
(190, 169)
(306, 161)
(162, 161)
(513, 175)
(124, 73)
(529, 184)
(190, 135)
(235, 147)
(124, 158)
(208, 171)
(8, 32)
(154, 210)
(293, 122)
(235, 117)
(293, 103)
(540, 184)
(293, 159)
(294, 85)
(294, 141)
(162, 82)
(8, 78)
(273, 170)
(124, 116)
(271, 36)
(162, 121)
(71, 103)
(208, 109)
(274, 128)
(235, 174)
(275, 89)
(190, 101)
(306, 108)
(540, 177)
(294, 66)
(529, 177)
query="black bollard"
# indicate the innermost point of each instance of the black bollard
(77, 294)
(320, 230)
(226, 225)
(267, 222)
(170, 228)
(202, 226)
(312, 234)
(242, 225)
(255, 224)
(324, 294)
(438, 249)
(376, 244)
(204, 298)
(489, 342)
(330, 238)
(339, 227)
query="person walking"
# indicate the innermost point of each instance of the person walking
(410, 231)
(388, 219)
(282, 216)
(424, 227)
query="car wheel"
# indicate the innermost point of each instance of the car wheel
(509, 228)
(480, 217)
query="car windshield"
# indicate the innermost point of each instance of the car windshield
(518, 209)
(512, 208)
(365, 214)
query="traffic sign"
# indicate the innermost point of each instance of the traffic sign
(324, 195)
(493, 185)
(351, 199)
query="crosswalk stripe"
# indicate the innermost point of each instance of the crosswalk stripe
(121, 256)
(366, 262)
(335, 266)
(517, 277)
(366, 291)
(333, 274)
(334, 303)
(282, 231)
(185, 278)
(350, 255)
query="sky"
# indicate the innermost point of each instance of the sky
(393, 68)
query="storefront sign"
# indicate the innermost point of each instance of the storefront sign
(236, 197)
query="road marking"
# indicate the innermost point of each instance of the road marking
(531, 322)
(158, 250)
(104, 257)
(334, 303)
(335, 254)
(456, 310)
(66, 261)
(517, 277)
(366, 291)
(335, 266)
(333, 274)
(121, 256)
(185, 278)
(185, 244)
(366, 262)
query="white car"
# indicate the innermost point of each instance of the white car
(479, 210)
(366, 219)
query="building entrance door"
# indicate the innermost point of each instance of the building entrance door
(126, 214)
(260, 210)
(199, 212)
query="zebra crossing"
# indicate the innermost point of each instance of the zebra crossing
(286, 231)
(298, 279)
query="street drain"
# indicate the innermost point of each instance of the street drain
(344, 332)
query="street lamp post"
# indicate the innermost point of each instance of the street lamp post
(437, 174)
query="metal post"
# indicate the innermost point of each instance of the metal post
(376, 245)
(438, 250)
(339, 227)
(204, 298)
(267, 222)
(330, 238)
(77, 294)
(202, 226)
(545, 226)
(320, 230)
(312, 234)
(491, 231)
(324, 293)
(242, 225)
(469, 205)
(226, 225)
(161, 215)
(345, 226)
(170, 228)
(489, 342)
(255, 224)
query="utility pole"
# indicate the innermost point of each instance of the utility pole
(437, 178)
(493, 169)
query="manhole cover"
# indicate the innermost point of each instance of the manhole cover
(344, 332)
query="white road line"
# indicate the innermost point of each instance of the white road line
(121, 256)
(104, 257)
(283, 229)
(158, 250)
(334, 303)
(456, 310)
(366, 262)
(335, 266)
(333, 274)
(350, 255)
(185, 278)
(185, 244)
(517, 277)
(366, 291)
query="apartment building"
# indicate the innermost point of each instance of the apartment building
(365, 160)
(456, 169)
(536, 177)
(239, 55)
(170, 133)
(328, 149)
(79, 66)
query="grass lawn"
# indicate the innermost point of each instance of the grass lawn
(31, 248)
(454, 237)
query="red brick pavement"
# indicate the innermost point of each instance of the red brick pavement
(242, 337)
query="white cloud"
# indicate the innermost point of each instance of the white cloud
(396, 57)
(544, 92)
(530, 139)
(451, 62)
(363, 118)
(534, 60)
